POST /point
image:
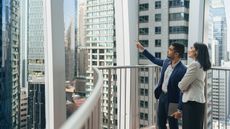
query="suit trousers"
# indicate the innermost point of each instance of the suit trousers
(193, 115)
(162, 114)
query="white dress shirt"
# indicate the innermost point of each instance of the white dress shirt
(167, 75)
(193, 83)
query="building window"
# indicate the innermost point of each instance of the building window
(157, 30)
(115, 122)
(94, 63)
(94, 50)
(144, 43)
(158, 43)
(157, 4)
(144, 92)
(144, 80)
(101, 57)
(143, 31)
(101, 51)
(144, 7)
(143, 116)
(94, 56)
(157, 17)
(157, 54)
(178, 30)
(144, 104)
(141, 56)
(144, 70)
(178, 16)
(143, 19)
(178, 3)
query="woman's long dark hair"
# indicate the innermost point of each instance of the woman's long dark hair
(202, 55)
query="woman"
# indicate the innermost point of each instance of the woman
(192, 85)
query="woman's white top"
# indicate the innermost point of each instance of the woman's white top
(193, 83)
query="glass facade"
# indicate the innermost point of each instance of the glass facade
(178, 3)
(178, 16)
(36, 104)
(35, 40)
(178, 30)
(35, 60)
(143, 19)
(9, 71)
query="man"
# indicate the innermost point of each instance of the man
(167, 90)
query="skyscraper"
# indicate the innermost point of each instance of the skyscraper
(70, 51)
(100, 42)
(82, 55)
(219, 30)
(23, 108)
(81, 51)
(23, 64)
(9, 71)
(161, 23)
(35, 60)
(23, 42)
(218, 80)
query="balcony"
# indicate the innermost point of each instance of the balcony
(104, 110)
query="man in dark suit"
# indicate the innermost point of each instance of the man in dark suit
(167, 90)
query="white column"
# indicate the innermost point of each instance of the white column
(196, 14)
(126, 17)
(54, 64)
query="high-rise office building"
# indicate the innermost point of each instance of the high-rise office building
(82, 54)
(23, 108)
(217, 9)
(100, 42)
(99, 35)
(70, 51)
(218, 80)
(76, 3)
(81, 51)
(23, 64)
(35, 61)
(219, 94)
(161, 23)
(23, 42)
(9, 61)
(36, 103)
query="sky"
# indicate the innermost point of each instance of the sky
(68, 11)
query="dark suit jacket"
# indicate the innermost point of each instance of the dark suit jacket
(174, 94)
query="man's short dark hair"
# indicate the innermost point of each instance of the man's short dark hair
(179, 48)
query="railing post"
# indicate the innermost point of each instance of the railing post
(206, 106)
(109, 96)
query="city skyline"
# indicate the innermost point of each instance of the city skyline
(93, 51)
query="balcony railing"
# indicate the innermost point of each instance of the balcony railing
(127, 91)
(88, 115)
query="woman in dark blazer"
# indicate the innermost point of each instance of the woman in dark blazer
(192, 85)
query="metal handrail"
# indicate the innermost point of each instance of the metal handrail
(78, 119)
(126, 66)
